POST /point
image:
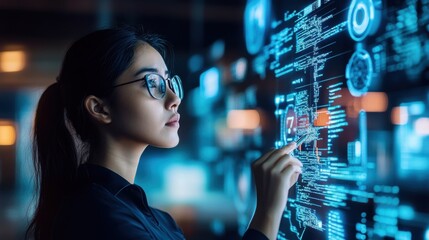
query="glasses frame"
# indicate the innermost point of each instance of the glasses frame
(168, 82)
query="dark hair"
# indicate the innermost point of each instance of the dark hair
(90, 67)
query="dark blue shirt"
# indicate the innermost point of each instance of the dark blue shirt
(106, 206)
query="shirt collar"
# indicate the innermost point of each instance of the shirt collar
(105, 177)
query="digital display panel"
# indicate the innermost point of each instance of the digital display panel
(353, 76)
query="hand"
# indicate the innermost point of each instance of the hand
(275, 173)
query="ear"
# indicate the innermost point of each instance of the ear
(98, 109)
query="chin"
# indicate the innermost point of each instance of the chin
(173, 144)
(167, 144)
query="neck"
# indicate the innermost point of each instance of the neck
(122, 157)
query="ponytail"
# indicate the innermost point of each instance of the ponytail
(55, 161)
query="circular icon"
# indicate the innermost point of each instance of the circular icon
(256, 20)
(360, 18)
(359, 73)
(289, 124)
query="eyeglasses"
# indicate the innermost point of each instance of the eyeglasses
(156, 85)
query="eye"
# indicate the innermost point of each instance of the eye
(152, 81)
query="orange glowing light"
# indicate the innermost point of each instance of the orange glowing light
(375, 102)
(7, 133)
(243, 119)
(322, 119)
(399, 115)
(12, 61)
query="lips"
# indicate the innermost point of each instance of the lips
(174, 121)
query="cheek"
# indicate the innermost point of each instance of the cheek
(138, 117)
(143, 117)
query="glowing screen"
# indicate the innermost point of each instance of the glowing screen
(353, 75)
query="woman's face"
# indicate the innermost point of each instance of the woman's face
(138, 117)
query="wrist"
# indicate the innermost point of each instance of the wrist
(266, 222)
(269, 212)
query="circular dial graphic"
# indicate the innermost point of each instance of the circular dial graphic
(360, 18)
(359, 73)
(289, 124)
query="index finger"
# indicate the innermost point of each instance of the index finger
(289, 147)
(284, 150)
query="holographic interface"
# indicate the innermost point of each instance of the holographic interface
(352, 77)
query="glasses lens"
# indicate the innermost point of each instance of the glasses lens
(177, 86)
(156, 85)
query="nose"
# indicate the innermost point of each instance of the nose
(172, 101)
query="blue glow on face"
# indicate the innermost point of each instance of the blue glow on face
(210, 82)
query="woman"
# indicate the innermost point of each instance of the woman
(113, 98)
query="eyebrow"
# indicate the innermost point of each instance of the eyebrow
(149, 69)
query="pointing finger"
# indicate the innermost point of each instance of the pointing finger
(289, 147)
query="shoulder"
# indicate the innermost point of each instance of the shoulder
(166, 220)
(164, 217)
(88, 200)
(94, 213)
